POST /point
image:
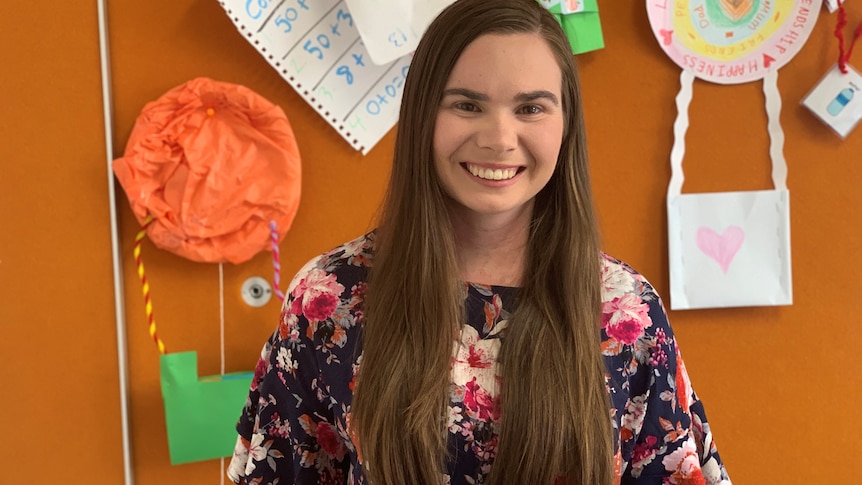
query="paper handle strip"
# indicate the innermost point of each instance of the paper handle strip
(145, 287)
(680, 126)
(776, 133)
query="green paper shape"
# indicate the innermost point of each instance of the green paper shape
(200, 413)
(584, 29)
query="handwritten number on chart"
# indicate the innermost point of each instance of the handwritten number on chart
(345, 71)
(341, 16)
(373, 106)
(397, 38)
(357, 123)
(285, 21)
(322, 55)
(324, 92)
(344, 16)
(322, 41)
(290, 15)
(296, 68)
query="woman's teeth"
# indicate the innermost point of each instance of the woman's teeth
(492, 174)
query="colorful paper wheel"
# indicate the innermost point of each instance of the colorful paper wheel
(732, 41)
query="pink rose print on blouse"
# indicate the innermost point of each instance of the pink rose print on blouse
(259, 371)
(480, 403)
(625, 318)
(643, 454)
(329, 440)
(474, 359)
(478, 358)
(316, 295)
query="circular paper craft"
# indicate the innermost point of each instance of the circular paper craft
(213, 164)
(732, 41)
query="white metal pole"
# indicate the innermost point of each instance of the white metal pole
(119, 304)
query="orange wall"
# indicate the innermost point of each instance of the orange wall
(780, 384)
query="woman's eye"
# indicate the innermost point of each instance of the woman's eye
(531, 109)
(466, 106)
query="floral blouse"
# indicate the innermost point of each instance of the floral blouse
(295, 427)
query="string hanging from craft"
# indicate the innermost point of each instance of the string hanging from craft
(844, 56)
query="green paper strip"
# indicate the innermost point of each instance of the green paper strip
(584, 29)
(200, 414)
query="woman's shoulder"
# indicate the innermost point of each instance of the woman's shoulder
(619, 279)
(631, 308)
(347, 261)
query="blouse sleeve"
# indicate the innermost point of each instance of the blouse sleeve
(286, 429)
(666, 421)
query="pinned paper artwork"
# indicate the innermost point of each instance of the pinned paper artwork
(206, 204)
(200, 412)
(837, 100)
(732, 41)
(317, 49)
(730, 249)
(212, 173)
(392, 28)
(580, 21)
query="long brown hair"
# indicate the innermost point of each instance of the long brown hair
(554, 405)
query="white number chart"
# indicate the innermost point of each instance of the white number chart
(316, 48)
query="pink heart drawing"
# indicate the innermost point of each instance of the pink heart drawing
(721, 248)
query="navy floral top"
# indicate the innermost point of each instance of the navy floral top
(295, 427)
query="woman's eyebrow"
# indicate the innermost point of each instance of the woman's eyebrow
(520, 97)
(467, 93)
(534, 95)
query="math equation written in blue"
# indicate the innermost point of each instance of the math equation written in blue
(315, 46)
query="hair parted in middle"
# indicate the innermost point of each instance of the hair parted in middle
(555, 411)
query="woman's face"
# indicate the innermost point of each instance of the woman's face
(499, 126)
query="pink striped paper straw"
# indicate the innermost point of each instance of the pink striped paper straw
(275, 264)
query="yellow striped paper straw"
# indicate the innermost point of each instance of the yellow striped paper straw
(148, 304)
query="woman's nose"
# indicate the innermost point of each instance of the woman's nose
(498, 132)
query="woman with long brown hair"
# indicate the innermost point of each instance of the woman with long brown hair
(478, 335)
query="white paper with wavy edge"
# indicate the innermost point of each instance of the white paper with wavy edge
(729, 249)
(316, 48)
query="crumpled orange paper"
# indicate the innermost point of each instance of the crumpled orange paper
(213, 163)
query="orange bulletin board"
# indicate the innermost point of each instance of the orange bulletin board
(780, 384)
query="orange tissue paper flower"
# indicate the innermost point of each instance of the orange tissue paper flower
(212, 163)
